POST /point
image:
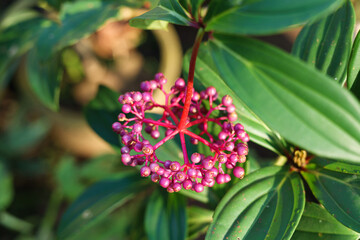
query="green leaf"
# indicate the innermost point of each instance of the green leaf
(14, 42)
(290, 96)
(98, 201)
(77, 20)
(165, 216)
(67, 175)
(45, 78)
(334, 165)
(168, 11)
(265, 16)
(338, 192)
(193, 5)
(206, 72)
(101, 167)
(102, 112)
(326, 44)
(6, 189)
(199, 221)
(317, 223)
(267, 204)
(354, 64)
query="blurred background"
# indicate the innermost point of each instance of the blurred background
(47, 158)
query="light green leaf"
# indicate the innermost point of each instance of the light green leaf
(44, 78)
(267, 204)
(326, 44)
(199, 221)
(168, 11)
(265, 16)
(290, 97)
(207, 73)
(98, 201)
(334, 165)
(316, 224)
(338, 192)
(165, 216)
(354, 64)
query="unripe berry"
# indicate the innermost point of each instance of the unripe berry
(137, 127)
(187, 184)
(180, 84)
(239, 172)
(126, 158)
(191, 172)
(199, 187)
(126, 108)
(229, 146)
(170, 189)
(176, 187)
(195, 157)
(164, 182)
(232, 117)
(222, 158)
(147, 149)
(137, 96)
(116, 126)
(154, 167)
(175, 166)
(208, 163)
(220, 179)
(211, 91)
(180, 176)
(155, 177)
(160, 171)
(227, 178)
(145, 171)
(155, 134)
(226, 100)
(121, 117)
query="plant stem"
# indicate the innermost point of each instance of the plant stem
(190, 83)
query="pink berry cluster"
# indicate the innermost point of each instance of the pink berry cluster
(229, 148)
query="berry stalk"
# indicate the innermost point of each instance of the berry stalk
(190, 83)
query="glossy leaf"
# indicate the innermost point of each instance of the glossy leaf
(289, 96)
(267, 203)
(354, 62)
(317, 223)
(6, 188)
(98, 201)
(165, 216)
(192, 6)
(338, 192)
(334, 165)
(326, 44)
(207, 73)
(14, 42)
(266, 16)
(168, 11)
(44, 78)
(75, 19)
(199, 221)
(102, 112)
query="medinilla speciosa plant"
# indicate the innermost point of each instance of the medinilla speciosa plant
(192, 167)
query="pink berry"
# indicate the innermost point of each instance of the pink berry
(239, 172)
(164, 182)
(199, 187)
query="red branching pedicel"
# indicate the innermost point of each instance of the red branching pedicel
(229, 147)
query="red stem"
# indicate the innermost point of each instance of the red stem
(190, 84)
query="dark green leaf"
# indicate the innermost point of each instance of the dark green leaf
(317, 223)
(14, 42)
(102, 112)
(266, 16)
(165, 216)
(201, 196)
(326, 44)
(100, 167)
(354, 64)
(267, 203)
(77, 20)
(207, 73)
(193, 5)
(290, 97)
(338, 192)
(6, 189)
(98, 201)
(167, 11)
(334, 165)
(45, 78)
(199, 221)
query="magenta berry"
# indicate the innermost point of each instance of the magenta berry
(239, 172)
(164, 182)
(145, 171)
(181, 115)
